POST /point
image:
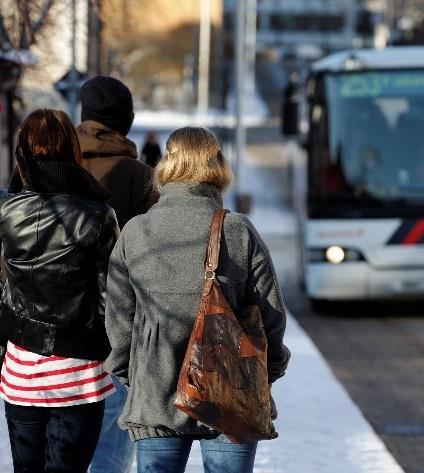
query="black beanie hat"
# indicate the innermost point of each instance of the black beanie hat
(108, 101)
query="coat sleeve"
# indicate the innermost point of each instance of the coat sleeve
(263, 289)
(108, 235)
(120, 312)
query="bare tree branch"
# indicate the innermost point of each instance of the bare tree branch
(5, 39)
(22, 20)
(25, 34)
(43, 16)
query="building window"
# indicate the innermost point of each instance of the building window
(307, 22)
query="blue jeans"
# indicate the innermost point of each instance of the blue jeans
(115, 450)
(170, 455)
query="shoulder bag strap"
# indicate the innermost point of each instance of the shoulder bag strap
(213, 247)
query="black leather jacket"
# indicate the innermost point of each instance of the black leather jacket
(55, 251)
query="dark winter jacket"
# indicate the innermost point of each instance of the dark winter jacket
(154, 286)
(112, 160)
(55, 249)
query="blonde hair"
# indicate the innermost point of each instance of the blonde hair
(193, 155)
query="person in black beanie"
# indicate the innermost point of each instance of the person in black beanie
(106, 118)
(107, 101)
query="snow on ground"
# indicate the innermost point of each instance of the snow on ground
(5, 455)
(167, 119)
(255, 115)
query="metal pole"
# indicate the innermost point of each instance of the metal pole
(204, 51)
(73, 97)
(94, 37)
(352, 14)
(251, 17)
(240, 91)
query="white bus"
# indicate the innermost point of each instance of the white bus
(362, 205)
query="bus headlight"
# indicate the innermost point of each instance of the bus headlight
(335, 254)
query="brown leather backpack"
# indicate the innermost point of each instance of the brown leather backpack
(223, 380)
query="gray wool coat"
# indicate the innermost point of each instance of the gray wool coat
(154, 286)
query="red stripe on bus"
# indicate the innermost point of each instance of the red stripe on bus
(415, 234)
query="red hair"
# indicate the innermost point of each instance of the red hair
(49, 135)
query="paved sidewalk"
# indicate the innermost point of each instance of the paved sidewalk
(321, 430)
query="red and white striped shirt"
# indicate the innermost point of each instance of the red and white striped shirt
(29, 379)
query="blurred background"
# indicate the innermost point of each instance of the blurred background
(179, 56)
(319, 105)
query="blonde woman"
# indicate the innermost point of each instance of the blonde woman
(154, 286)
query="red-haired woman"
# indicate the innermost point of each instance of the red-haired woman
(56, 233)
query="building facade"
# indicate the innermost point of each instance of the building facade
(329, 24)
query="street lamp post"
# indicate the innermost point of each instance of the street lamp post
(241, 202)
(94, 37)
(73, 76)
(204, 53)
(251, 18)
(72, 80)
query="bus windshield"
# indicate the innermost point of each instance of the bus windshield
(368, 138)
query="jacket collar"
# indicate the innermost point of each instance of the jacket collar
(192, 189)
(97, 140)
(58, 177)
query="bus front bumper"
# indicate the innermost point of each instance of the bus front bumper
(357, 280)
